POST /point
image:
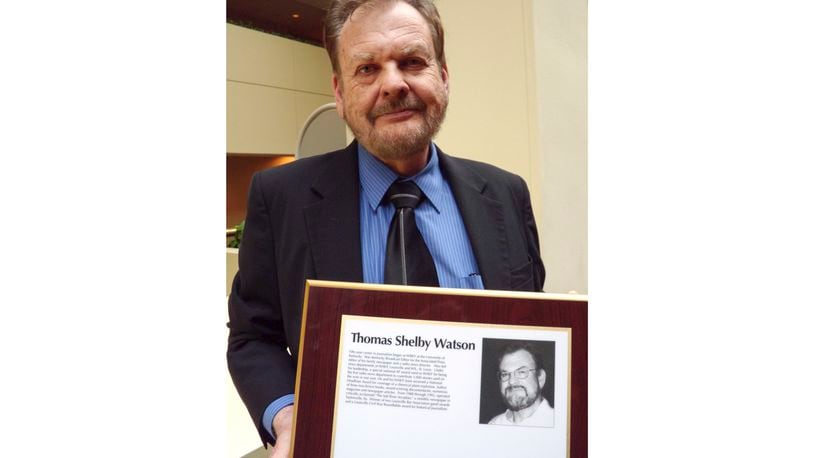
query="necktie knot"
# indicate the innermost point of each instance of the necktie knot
(404, 194)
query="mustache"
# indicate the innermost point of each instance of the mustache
(409, 103)
(515, 387)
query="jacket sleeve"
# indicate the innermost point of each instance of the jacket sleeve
(532, 238)
(261, 367)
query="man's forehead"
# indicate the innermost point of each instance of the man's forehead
(517, 358)
(397, 27)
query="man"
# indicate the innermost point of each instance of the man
(329, 217)
(522, 378)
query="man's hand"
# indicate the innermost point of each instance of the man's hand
(282, 425)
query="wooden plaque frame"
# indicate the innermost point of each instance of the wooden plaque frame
(325, 303)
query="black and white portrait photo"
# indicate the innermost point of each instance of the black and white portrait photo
(517, 383)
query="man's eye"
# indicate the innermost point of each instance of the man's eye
(414, 62)
(365, 69)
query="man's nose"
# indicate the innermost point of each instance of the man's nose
(393, 84)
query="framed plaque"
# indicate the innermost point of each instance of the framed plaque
(395, 371)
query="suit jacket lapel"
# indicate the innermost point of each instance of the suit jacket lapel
(333, 219)
(483, 219)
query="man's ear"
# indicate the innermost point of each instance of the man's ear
(541, 377)
(337, 87)
(445, 77)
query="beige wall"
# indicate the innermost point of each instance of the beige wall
(489, 110)
(518, 100)
(561, 46)
(272, 85)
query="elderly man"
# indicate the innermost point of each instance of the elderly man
(521, 384)
(389, 208)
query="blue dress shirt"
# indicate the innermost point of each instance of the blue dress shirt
(438, 219)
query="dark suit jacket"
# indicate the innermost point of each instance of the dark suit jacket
(303, 222)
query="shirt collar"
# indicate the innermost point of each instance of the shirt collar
(375, 178)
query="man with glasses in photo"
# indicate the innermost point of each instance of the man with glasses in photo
(522, 378)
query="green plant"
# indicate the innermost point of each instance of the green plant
(237, 236)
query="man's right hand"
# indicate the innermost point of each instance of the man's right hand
(282, 425)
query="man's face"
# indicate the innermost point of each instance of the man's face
(391, 90)
(520, 393)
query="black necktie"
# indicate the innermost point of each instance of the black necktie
(407, 259)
